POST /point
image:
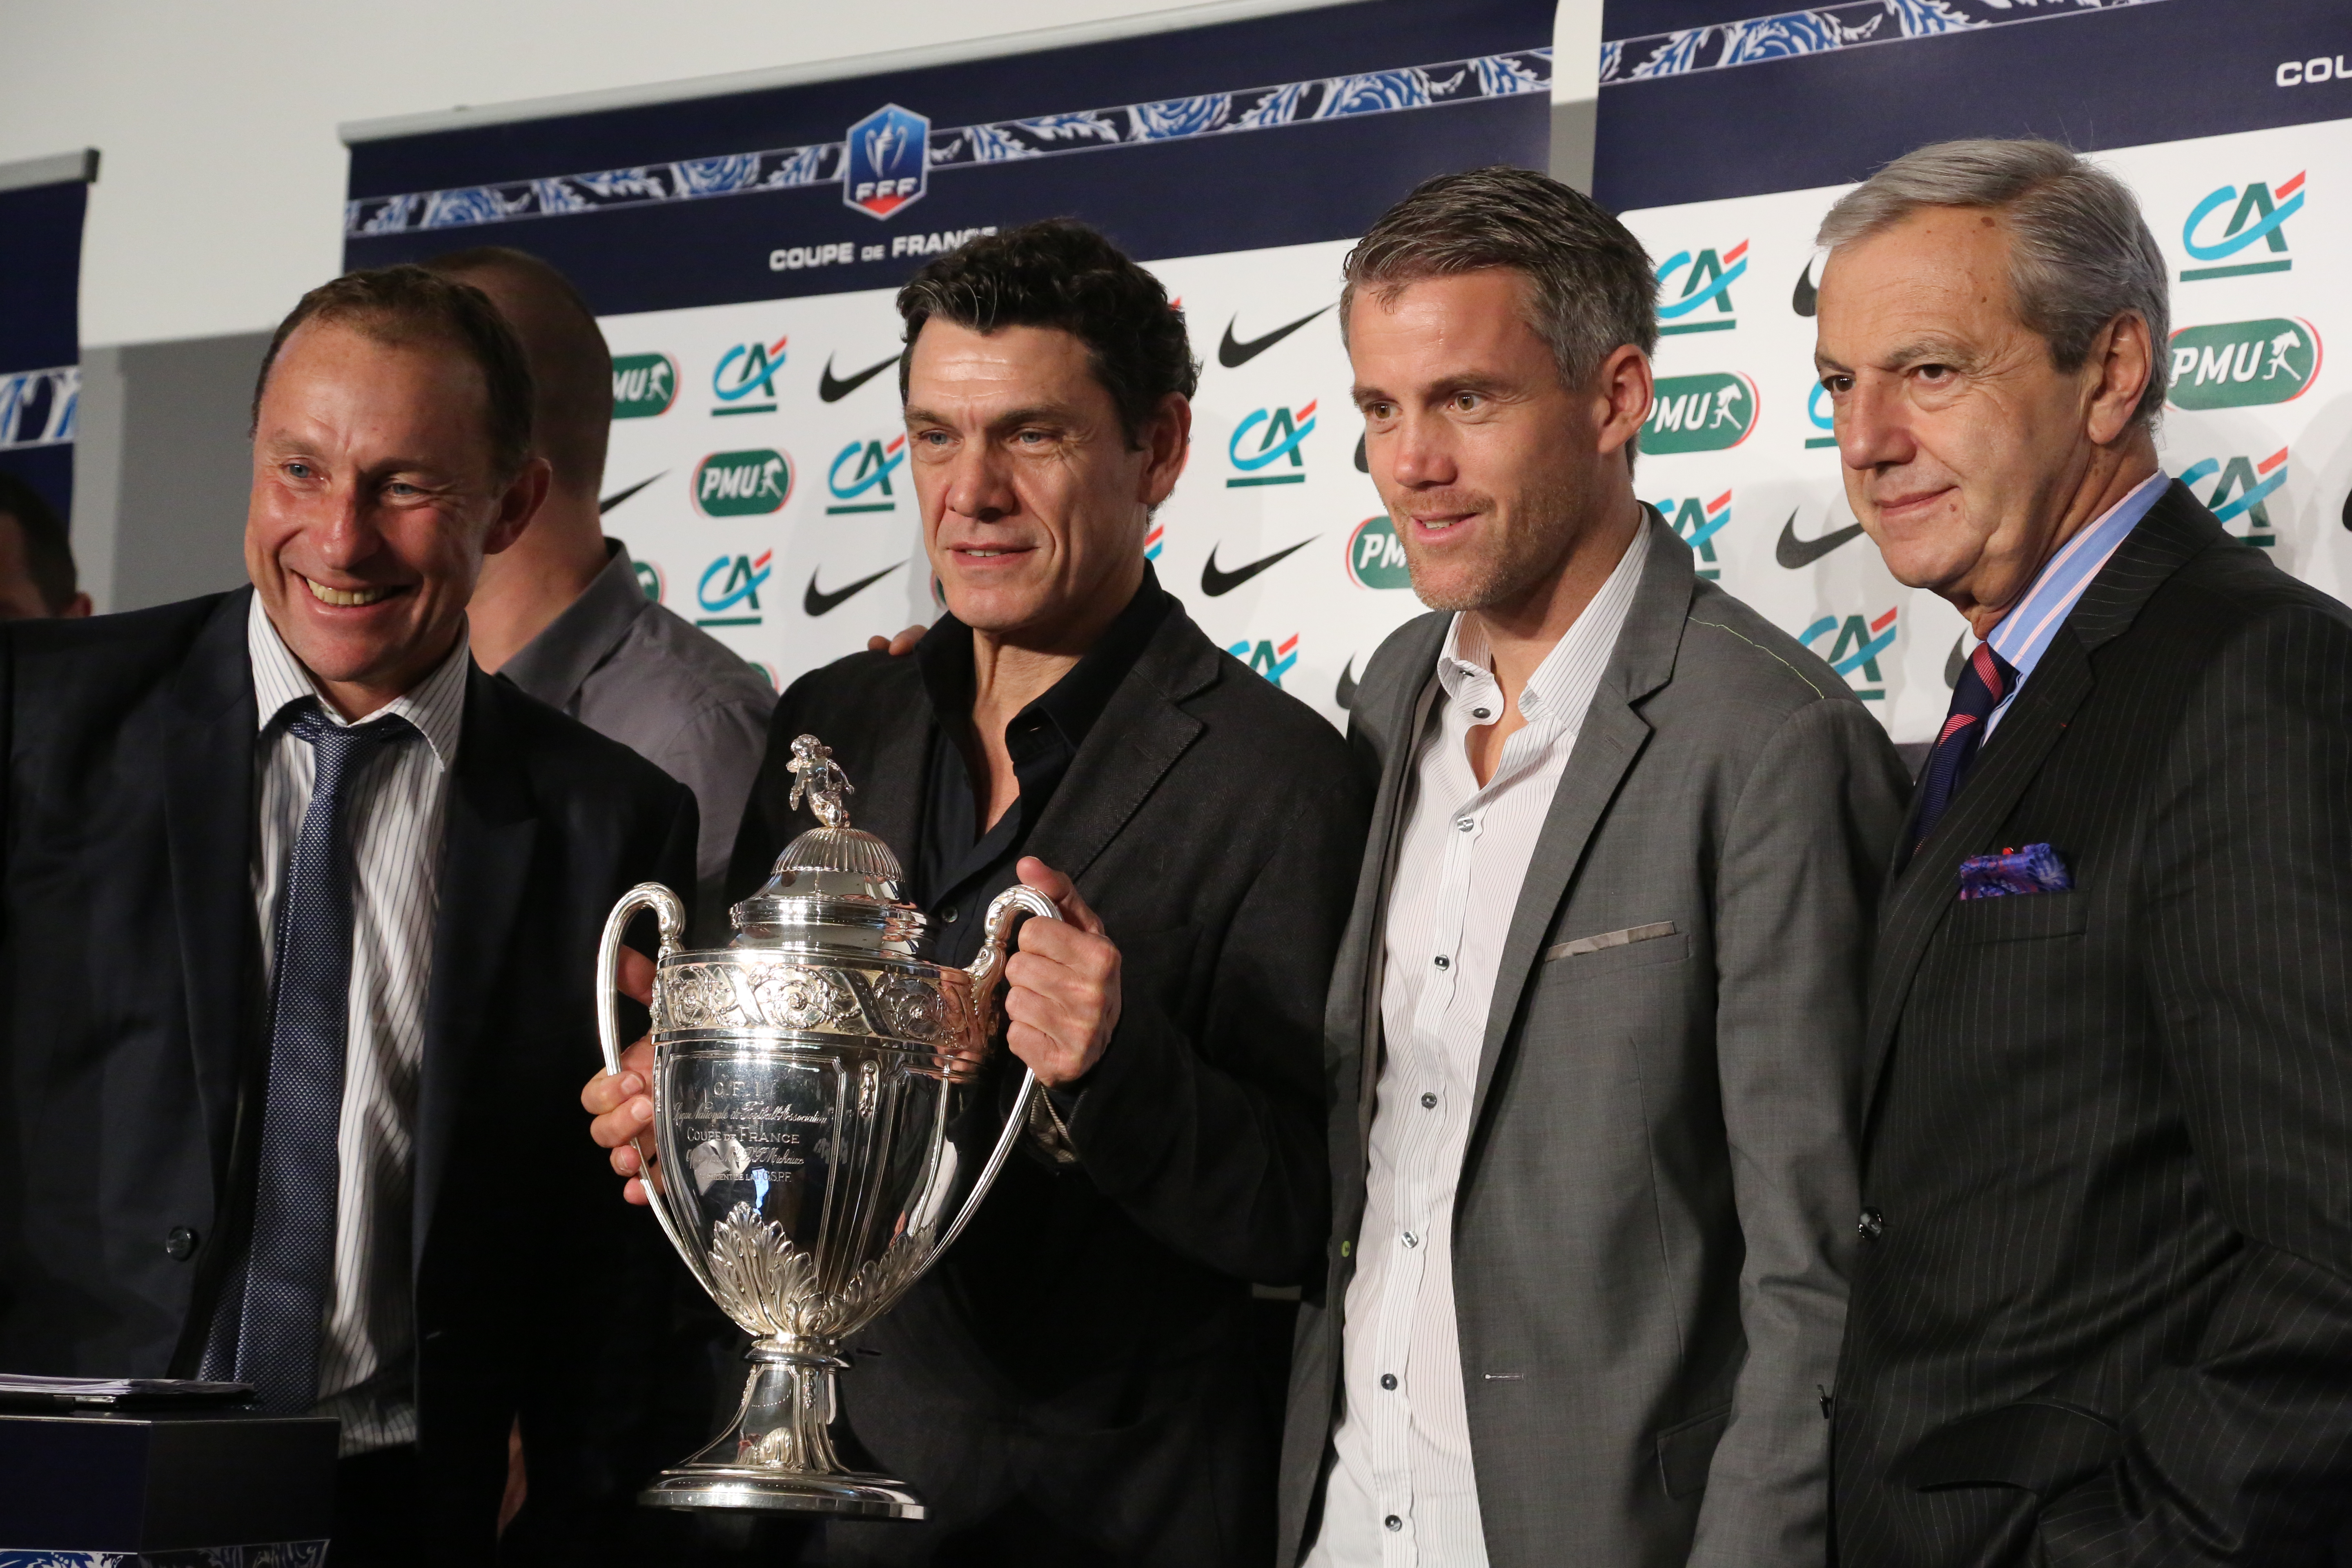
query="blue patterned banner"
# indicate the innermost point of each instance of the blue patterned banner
(37, 410)
(790, 168)
(1821, 29)
(276, 1554)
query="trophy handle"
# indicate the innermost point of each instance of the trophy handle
(670, 915)
(985, 971)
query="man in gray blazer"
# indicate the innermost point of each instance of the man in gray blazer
(1593, 1033)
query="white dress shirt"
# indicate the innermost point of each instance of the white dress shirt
(1403, 1492)
(398, 800)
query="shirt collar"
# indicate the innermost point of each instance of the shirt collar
(436, 706)
(1072, 703)
(555, 664)
(1465, 664)
(2024, 634)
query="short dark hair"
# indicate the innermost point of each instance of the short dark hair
(49, 555)
(571, 367)
(1061, 273)
(1592, 288)
(407, 302)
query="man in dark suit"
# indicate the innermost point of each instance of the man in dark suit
(1084, 1377)
(2103, 1312)
(300, 914)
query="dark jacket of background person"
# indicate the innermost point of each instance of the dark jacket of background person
(1090, 1346)
(2103, 1312)
(1652, 1228)
(134, 1042)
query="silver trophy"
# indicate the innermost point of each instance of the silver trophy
(813, 1087)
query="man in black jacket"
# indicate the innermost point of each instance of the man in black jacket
(2102, 1309)
(298, 911)
(1084, 1378)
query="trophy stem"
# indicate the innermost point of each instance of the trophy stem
(778, 1454)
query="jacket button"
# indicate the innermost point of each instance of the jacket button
(1872, 1226)
(180, 1244)
(1388, 1381)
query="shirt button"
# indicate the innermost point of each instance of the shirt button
(1872, 1226)
(1444, 961)
(1388, 1380)
(1466, 824)
(1428, 1100)
(180, 1244)
(1474, 713)
(1411, 1239)
(949, 915)
(1393, 1522)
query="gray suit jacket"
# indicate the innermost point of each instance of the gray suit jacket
(1657, 1204)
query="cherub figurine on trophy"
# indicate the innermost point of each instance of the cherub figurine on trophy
(809, 1083)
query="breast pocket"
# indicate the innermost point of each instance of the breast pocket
(1613, 952)
(2020, 917)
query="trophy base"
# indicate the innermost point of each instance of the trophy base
(764, 1490)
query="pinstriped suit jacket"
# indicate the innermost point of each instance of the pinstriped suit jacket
(2108, 1316)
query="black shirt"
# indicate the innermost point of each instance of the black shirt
(957, 868)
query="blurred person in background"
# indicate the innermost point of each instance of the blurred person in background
(37, 563)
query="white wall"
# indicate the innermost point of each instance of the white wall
(219, 198)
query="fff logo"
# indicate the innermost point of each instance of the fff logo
(747, 371)
(1266, 656)
(887, 161)
(1697, 523)
(734, 601)
(2243, 488)
(2258, 213)
(860, 476)
(1264, 439)
(1706, 279)
(1856, 647)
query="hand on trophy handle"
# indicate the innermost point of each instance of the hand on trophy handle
(1062, 988)
(620, 1098)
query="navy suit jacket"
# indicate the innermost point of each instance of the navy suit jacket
(133, 1053)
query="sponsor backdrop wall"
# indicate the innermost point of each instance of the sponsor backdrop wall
(41, 204)
(1726, 134)
(743, 252)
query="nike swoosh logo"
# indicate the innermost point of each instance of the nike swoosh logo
(1214, 582)
(617, 496)
(1346, 695)
(1795, 553)
(818, 603)
(1233, 354)
(1806, 297)
(1362, 466)
(830, 390)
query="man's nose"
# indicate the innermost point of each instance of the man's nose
(1419, 453)
(341, 529)
(1873, 427)
(978, 485)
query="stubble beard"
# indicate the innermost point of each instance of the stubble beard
(1517, 560)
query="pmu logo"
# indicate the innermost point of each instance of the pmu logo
(729, 590)
(1697, 523)
(644, 386)
(1375, 555)
(740, 484)
(889, 161)
(2237, 365)
(2244, 490)
(1700, 413)
(1270, 659)
(1264, 439)
(2260, 213)
(747, 371)
(1708, 280)
(1858, 644)
(860, 476)
(1818, 413)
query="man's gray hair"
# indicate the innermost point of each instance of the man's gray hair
(1592, 287)
(2080, 253)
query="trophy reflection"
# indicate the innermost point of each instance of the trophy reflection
(811, 1081)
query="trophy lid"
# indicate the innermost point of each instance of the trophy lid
(834, 884)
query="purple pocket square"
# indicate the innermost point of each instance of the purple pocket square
(2035, 869)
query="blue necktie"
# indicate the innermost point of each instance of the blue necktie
(1985, 679)
(272, 1340)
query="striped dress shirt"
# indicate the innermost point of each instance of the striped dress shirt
(398, 801)
(2023, 635)
(1402, 1490)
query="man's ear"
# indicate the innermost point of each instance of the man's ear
(1622, 392)
(1167, 438)
(2125, 357)
(525, 493)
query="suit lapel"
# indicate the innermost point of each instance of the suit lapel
(1919, 893)
(1613, 735)
(1140, 734)
(487, 838)
(209, 814)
